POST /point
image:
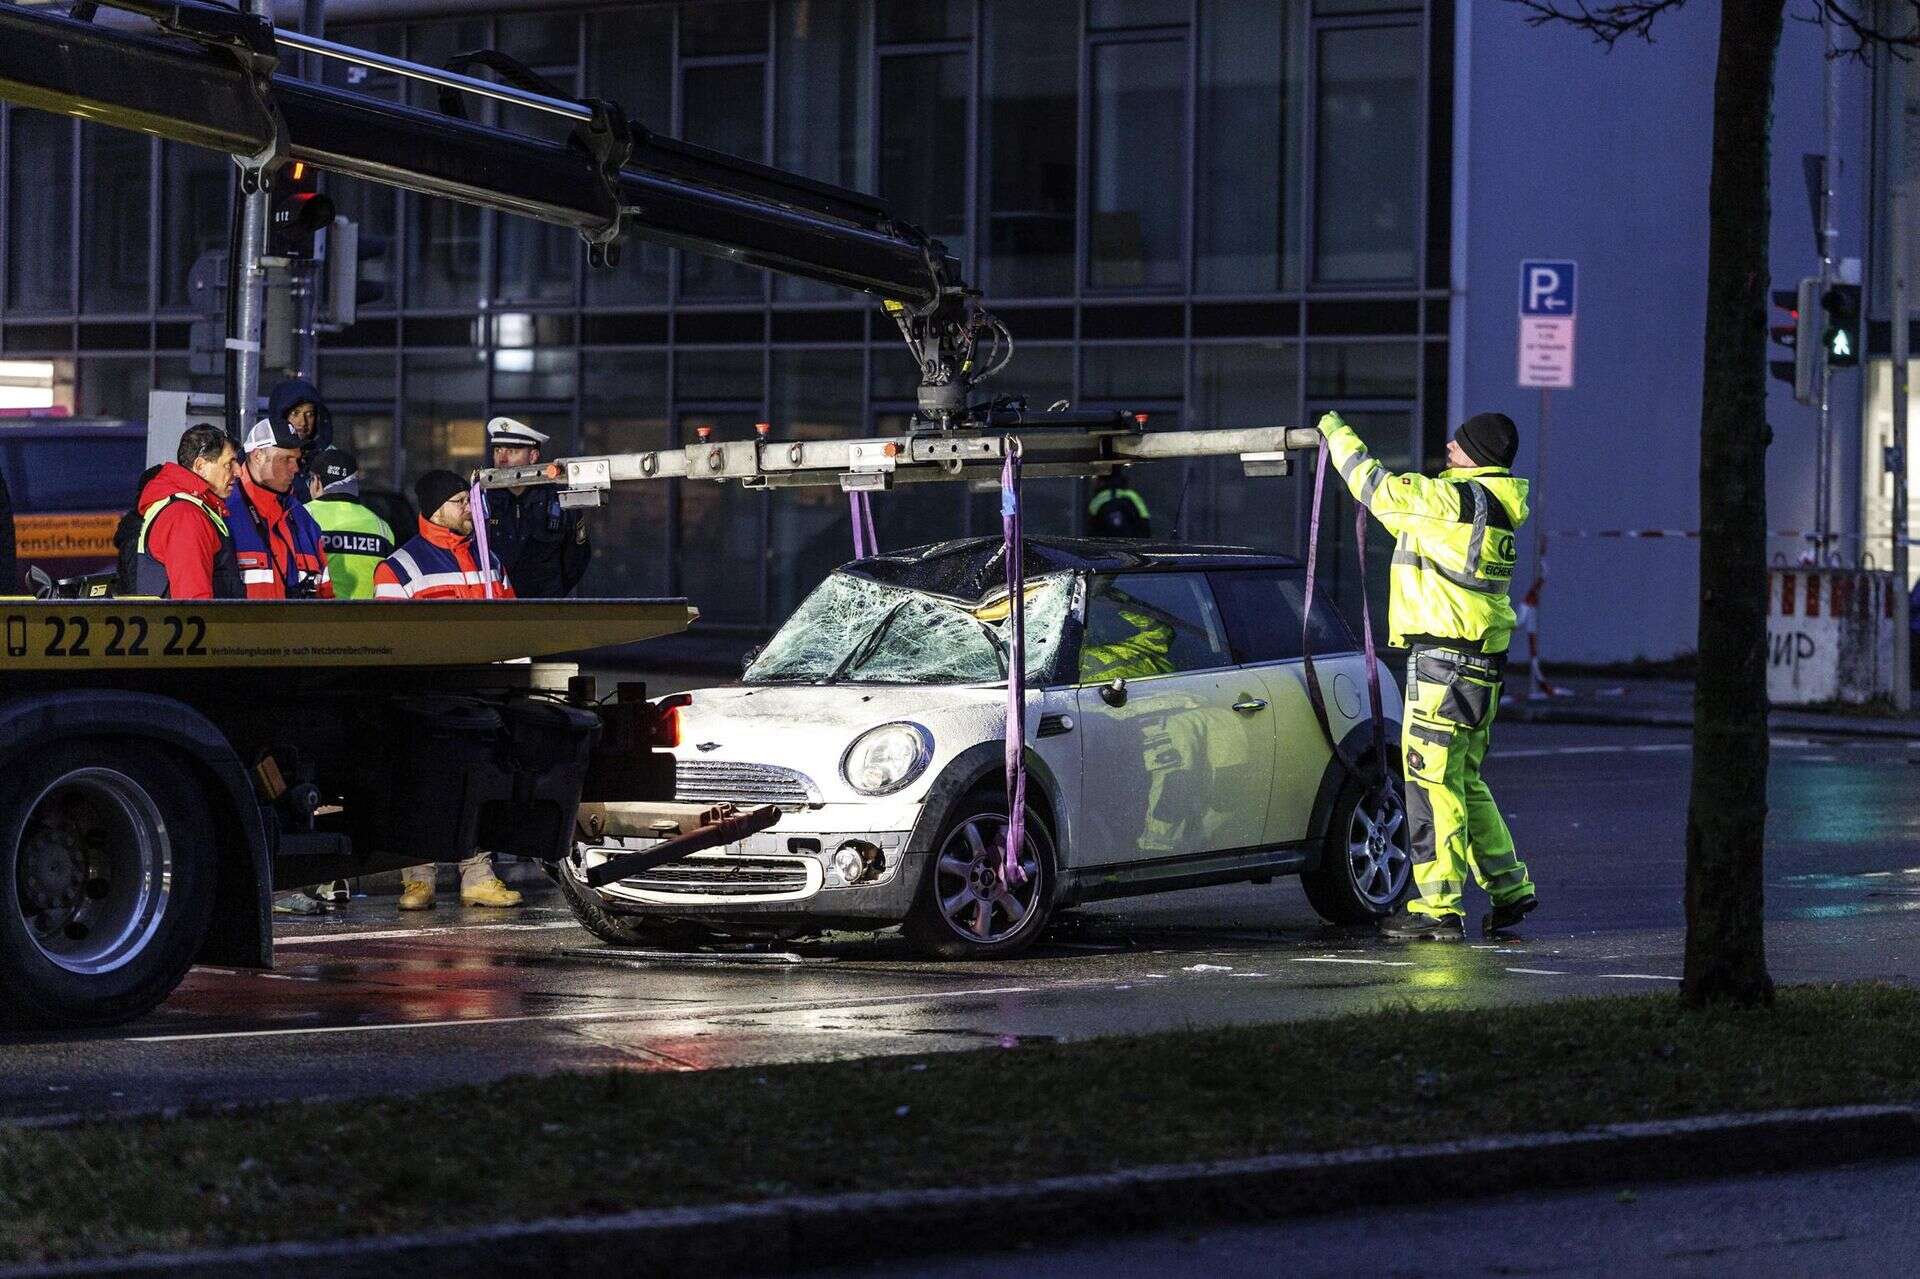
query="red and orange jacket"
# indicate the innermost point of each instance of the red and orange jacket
(277, 543)
(439, 564)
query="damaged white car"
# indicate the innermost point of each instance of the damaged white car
(1171, 745)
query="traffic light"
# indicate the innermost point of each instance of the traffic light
(296, 211)
(1841, 336)
(356, 273)
(1796, 331)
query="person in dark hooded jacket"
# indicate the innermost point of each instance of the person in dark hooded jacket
(298, 404)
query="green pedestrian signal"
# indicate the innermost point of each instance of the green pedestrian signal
(1841, 306)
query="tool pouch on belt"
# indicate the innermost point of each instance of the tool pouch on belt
(1459, 692)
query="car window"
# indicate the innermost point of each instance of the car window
(855, 630)
(1141, 624)
(1263, 609)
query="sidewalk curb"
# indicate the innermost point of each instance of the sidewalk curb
(1787, 721)
(783, 1235)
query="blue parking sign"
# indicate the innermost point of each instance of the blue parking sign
(1546, 288)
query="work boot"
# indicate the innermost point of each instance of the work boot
(416, 894)
(296, 903)
(1504, 917)
(1407, 925)
(489, 892)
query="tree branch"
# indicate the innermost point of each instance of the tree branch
(1607, 23)
(1858, 35)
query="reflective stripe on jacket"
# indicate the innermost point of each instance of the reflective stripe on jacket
(277, 544)
(438, 564)
(356, 540)
(1454, 547)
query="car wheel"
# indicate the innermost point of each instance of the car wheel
(623, 930)
(106, 883)
(1365, 866)
(965, 909)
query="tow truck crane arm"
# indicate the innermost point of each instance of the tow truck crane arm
(206, 79)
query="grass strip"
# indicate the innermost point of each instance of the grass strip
(584, 1144)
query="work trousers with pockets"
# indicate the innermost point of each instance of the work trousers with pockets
(1454, 825)
(474, 871)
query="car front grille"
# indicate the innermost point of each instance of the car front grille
(712, 781)
(731, 877)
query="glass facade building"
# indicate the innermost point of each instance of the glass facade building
(1216, 212)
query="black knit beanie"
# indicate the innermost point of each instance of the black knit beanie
(1490, 439)
(435, 487)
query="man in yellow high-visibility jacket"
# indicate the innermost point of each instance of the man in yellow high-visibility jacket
(1453, 561)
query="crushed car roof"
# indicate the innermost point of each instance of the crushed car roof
(970, 568)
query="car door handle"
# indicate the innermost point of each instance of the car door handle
(1248, 706)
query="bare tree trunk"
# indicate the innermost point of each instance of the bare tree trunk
(1726, 818)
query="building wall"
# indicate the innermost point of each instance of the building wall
(1604, 157)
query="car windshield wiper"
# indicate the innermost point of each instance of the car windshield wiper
(866, 647)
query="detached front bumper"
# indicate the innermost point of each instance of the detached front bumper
(780, 876)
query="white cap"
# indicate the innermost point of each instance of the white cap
(505, 433)
(265, 434)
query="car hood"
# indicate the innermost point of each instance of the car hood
(808, 727)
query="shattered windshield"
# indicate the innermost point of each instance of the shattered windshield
(857, 631)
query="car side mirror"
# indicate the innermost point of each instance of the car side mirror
(1114, 693)
(752, 656)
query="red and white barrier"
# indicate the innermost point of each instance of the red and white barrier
(1829, 635)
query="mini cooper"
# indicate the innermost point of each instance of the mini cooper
(1171, 744)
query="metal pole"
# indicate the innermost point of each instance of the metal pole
(1897, 455)
(1823, 499)
(1537, 501)
(313, 22)
(245, 280)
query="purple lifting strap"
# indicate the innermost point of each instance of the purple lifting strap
(1014, 552)
(865, 541)
(477, 507)
(1377, 774)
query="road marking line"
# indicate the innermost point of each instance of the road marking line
(1540, 972)
(1378, 963)
(654, 1013)
(1641, 976)
(397, 934)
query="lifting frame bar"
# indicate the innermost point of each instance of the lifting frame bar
(970, 454)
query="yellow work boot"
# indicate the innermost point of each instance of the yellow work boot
(417, 894)
(489, 892)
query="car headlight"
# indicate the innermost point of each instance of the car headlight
(884, 759)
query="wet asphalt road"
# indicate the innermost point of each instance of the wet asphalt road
(368, 1001)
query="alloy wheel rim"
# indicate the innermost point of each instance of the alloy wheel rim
(93, 871)
(975, 900)
(1378, 857)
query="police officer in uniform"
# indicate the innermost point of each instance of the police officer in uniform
(1117, 509)
(543, 545)
(1453, 561)
(356, 539)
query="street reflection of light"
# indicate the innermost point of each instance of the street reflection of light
(1445, 974)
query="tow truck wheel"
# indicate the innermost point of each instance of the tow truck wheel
(966, 909)
(624, 930)
(106, 883)
(1365, 867)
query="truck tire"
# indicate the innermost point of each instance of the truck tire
(946, 921)
(106, 883)
(624, 930)
(1365, 867)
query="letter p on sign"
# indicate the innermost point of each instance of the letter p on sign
(1546, 288)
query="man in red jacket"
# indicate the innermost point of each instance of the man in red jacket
(442, 563)
(185, 550)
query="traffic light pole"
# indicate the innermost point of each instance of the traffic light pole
(1823, 495)
(246, 282)
(1897, 456)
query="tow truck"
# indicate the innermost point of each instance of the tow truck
(163, 764)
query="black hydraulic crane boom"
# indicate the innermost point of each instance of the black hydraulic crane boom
(206, 78)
